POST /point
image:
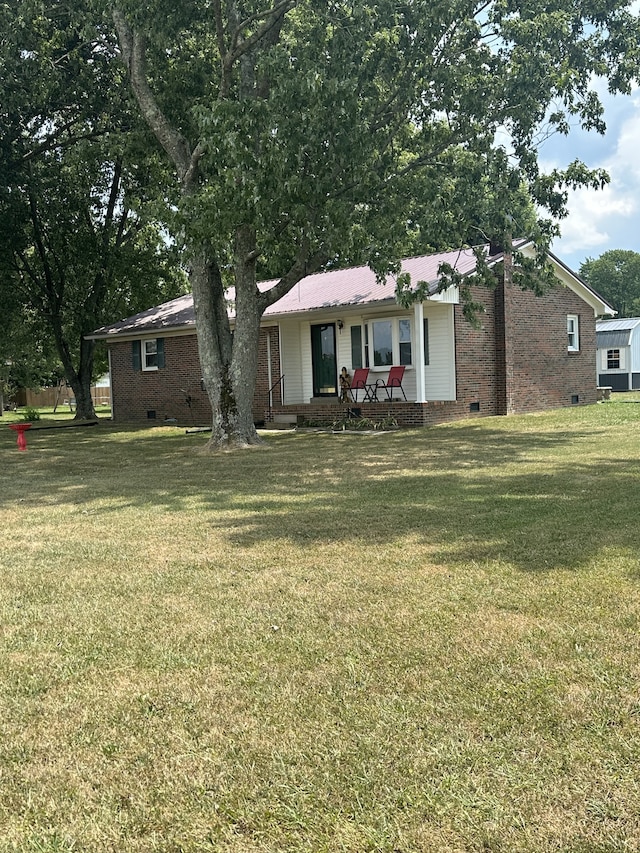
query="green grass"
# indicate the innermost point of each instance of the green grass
(414, 641)
(47, 414)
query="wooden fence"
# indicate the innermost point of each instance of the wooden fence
(62, 396)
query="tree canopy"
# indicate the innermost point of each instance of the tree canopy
(616, 276)
(307, 133)
(78, 244)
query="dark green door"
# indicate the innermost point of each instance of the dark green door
(323, 358)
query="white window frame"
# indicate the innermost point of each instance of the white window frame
(573, 333)
(145, 355)
(605, 359)
(369, 337)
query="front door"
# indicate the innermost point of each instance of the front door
(323, 359)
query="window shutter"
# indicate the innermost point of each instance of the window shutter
(160, 351)
(136, 356)
(623, 353)
(604, 359)
(425, 326)
(356, 346)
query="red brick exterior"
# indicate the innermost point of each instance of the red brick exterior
(544, 375)
(515, 361)
(174, 392)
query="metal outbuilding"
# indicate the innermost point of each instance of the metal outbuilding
(618, 353)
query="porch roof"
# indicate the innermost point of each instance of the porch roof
(359, 286)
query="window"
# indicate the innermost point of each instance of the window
(404, 340)
(573, 341)
(382, 343)
(382, 338)
(148, 354)
(613, 359)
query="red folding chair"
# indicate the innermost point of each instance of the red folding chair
(359, 382)
(394, 380)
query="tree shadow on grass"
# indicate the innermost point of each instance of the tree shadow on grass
(472, 493)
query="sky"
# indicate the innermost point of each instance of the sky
(609, 218)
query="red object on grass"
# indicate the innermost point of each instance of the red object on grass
(21, 429)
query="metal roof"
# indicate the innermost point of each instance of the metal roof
(332, 289)
(613, 339)
(336, 289)
(618, 324)
(611, 334)
(178, 313)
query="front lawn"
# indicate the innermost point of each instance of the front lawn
(47, 415)
(423, 640)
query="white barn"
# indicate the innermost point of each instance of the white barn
(618, 353)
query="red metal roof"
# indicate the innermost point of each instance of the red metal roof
(358, 285)
(332, 289)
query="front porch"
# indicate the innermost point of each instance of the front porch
(405, 413)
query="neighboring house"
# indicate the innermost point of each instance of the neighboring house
(528, 353)
(618, 353)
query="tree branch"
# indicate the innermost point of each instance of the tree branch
(174, 143)
(240, 47)
(217, 12)
(52, 140)
(306, 263)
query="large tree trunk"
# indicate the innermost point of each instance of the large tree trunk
(229, 363)
(80, 381)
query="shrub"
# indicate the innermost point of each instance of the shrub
(31, 414)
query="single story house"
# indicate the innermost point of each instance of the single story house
(618, 353)
(528, 353)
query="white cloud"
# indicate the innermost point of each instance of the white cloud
(591, 215)
(606, 219)
(625, 161)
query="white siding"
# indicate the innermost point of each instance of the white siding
(295, 352)
(307, 369)
(291, 361)
(634, 365)
(624, 360)
(440, 373)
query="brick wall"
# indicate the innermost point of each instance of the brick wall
(544, 374)
(532, 368)
(477, 369)
(174, 392)
(406, 414)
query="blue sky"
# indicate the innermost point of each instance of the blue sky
(609, 218)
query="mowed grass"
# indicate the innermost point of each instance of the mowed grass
(49, 417)
(413, 641)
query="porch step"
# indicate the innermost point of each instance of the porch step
(284, 420)
(324, 401)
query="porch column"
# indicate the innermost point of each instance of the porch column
(421, 396)
(113, 414)
(269, 371)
